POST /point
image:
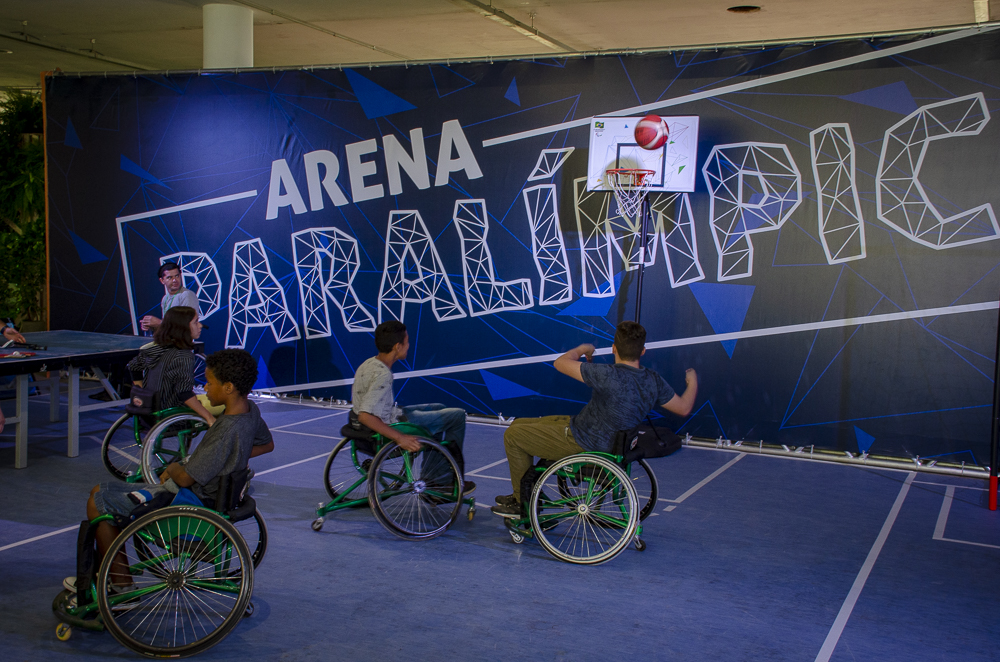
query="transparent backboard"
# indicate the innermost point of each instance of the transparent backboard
(612, 145)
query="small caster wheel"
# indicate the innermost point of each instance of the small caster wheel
(640, 544)
(317, 524)
(472, 512)
(516, 537)
(63, 632)
(248, 612)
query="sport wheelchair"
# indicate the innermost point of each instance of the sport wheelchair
(172, 434)
(191, 578)
(413, 495)
(587, 508)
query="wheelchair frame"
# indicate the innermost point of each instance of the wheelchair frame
(138, 442)
(168, 547)
(396, 490)
(593, 496)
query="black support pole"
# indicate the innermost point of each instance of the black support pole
(995, 433)
(644, 212)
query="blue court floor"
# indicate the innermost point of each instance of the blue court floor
(749, 558)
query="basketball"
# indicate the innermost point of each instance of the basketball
(651, 132)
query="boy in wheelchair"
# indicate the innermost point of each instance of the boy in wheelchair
(236, 436)
(373, 404)
(623, 394)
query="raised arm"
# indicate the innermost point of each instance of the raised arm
(406, 441)
(683, 404)
(569, 363)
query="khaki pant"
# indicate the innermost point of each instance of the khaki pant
(548, 437)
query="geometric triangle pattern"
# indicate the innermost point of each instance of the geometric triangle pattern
(841, 226)
(264, 379)
(256, 298)
(88, 254)
(484, 293)
(675, 225)
(502, 389)
(511, 94)
(595, 245)
(754, 187)
(548, 245)
(130, 166)
(894, 97)
(326, 261)
(900, 198)
(447, 81)
(375, 100)
(549, 161)
(200, 275)
(71, 139)
(725, 306)
(865, 440)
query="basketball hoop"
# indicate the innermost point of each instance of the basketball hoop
(630, 186)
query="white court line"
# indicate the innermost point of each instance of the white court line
(290, 464)
(942, 522)
(488, 466)
(308, 420)
(41, 537)
(677, 342)
(308, 434)
(746, 85)
(705, 481)
(859, 582)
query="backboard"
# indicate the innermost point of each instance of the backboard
(612, 145)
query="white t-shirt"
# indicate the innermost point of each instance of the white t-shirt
(184, 297)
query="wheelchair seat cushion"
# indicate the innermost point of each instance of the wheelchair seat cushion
(645, 441)
(362, 438)
(245, 510)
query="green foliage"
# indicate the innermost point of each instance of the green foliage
(22, 207)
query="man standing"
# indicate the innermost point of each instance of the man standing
(175, 294)
(623, 395)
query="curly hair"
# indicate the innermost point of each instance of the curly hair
(235, 366)
(175, 329)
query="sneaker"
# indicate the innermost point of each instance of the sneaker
(509, 512)
(506, 500)
(70, 584)
(468, 487)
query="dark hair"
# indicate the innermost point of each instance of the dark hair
(388, 334)
(175, 329)
(235, 366)
(630, 339)
(165, 267)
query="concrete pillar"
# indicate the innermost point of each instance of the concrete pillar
(227, 37)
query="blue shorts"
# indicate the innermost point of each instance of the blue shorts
(112, 498)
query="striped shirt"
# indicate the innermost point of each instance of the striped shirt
(177, 378)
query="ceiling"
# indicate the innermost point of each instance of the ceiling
(116, 35)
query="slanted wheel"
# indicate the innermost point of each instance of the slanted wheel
(170, 440)
(515, 536)
(190, 599)
(317, 524)
(121, 450)
(254, 532)
(590, 516)
(345, 476)
(63, 632)
(646, 487)
(415, 495)
(640, 544)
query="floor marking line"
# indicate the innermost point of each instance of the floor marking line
(308, 420)
(969, 542)
(705, 481)
(290, 464)
(859, 582)
(960, 487)
(41, 537)
(475, 475)
(489, 466)
(942, 520)
(307, 434)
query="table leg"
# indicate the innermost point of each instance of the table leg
(53, 396)
(21, 433)
(73, 387)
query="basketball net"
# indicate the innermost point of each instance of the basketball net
(630, 186)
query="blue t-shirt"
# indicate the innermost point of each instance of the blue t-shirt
(622, 397)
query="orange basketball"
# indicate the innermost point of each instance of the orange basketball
(651, 132)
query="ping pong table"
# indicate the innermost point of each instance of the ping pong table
(69, 351)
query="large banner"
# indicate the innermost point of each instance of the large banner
(833, 276)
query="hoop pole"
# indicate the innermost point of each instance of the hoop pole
(995, 432)
(644, 211)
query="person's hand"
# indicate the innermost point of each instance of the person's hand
(149, 322)
(210, 420)
(691, 377)
(409, 443)
(587, 350)
(11, 334)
